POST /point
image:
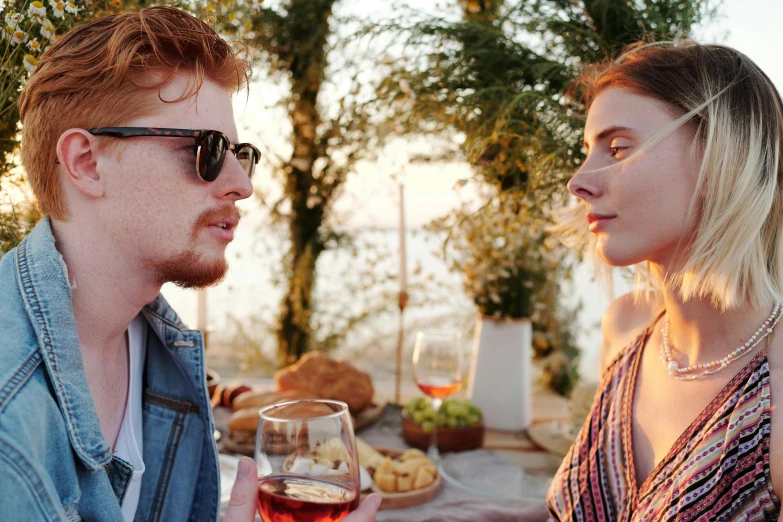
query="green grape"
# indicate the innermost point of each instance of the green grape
(442, 420)
(461, 423)
(452, 422)
(455, 410)
(426, 426)
(472, 419)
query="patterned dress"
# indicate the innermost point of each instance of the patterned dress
(718, 470)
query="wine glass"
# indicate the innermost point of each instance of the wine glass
(307, 461)
(437, 370)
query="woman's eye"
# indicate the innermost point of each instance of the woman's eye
(192, 149)
(616, 151)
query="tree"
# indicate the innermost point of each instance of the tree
(296, 41)
(497, 78)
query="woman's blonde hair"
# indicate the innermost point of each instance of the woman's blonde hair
(735, 257)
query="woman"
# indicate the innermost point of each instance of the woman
(683, 178)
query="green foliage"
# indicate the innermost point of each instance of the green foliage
(28, 29)
(296, 43)
(496, 81)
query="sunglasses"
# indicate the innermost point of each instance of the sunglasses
(211, 147)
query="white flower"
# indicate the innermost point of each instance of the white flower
(48, 30)
(29, 62)
(13, 20)
(71, 8)
(59, 10)
(18, 37)
(37, 9)
(33, 45)
(54, 3)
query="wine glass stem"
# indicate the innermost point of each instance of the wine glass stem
(433, 452)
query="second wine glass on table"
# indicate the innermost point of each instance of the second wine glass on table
(437, 370)
(307, 462)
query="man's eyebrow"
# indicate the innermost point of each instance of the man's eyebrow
(606, 132)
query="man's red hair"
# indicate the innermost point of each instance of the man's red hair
(100, 75)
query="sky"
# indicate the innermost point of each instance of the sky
(371, 198)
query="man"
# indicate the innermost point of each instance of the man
(130, 146)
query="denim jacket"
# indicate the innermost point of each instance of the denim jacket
(54, 462)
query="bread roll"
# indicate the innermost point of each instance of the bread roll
(258, 400)
(244, 420)
(329, 378)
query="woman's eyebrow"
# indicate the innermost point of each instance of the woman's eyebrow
(606, 132)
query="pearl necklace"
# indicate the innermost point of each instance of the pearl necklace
(715, 366)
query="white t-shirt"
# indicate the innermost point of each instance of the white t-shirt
(130, 443)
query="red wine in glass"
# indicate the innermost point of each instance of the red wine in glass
(285, 498)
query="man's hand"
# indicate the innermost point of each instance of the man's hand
(242, 506)
(367, 510)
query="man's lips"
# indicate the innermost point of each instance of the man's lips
(224, 234)
(221, 222)
(225, 223)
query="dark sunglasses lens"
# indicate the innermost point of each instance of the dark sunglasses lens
(248, 158)
(212, 154)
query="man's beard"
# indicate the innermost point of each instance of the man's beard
(188, 270)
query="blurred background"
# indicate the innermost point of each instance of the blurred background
(416, 148)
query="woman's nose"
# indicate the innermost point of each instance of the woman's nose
(585, 184)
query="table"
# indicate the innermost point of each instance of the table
(454, 504)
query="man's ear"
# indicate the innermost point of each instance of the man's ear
(77, 152)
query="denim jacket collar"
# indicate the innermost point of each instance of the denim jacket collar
(46, 291)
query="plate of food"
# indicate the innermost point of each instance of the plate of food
(403, 478)
(314, 376)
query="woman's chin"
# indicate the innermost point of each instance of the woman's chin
(618, 257)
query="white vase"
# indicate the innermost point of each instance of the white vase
(500, 378)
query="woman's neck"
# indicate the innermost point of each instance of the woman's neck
(699, 333)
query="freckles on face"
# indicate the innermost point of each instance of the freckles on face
(157, 196)
(645, 188)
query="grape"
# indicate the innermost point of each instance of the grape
(472, 419)
(426, 426)
(456, 410)
(418, 416)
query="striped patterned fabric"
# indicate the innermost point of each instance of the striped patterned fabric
(718, 470)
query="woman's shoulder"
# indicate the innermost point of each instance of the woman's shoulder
(624, 320)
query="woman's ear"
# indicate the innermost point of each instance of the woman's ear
(77, 155)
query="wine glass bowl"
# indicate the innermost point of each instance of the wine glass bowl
(307, 461)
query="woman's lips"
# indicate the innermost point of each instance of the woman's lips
(598, 221)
